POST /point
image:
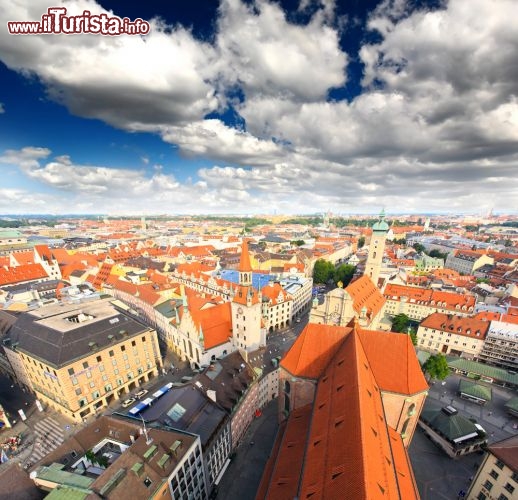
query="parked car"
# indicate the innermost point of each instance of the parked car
(141, 393)
(128, 402)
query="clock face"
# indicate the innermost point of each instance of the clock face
(240, 310)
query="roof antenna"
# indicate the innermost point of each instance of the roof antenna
(148, 439)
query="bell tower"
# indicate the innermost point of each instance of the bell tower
(376, 248)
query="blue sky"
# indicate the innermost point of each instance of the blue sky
(256, 107)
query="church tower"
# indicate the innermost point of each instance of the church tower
(247, 331)
(376, 248)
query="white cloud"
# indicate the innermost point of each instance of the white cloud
(266, 55)
(435, 125)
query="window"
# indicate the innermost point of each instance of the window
(503, 497)
(85, 365)
(123, 347)
(494, 474)
(99, 359)
(514, 477)
(111, 353)
(500, 464)
(509, 487)
(133, 343)
(71, 371)
(78, 392)
(488, 485)
(481, 496)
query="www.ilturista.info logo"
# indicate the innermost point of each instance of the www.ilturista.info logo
(56, 22)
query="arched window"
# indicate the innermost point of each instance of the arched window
(411, 410)
(405, 426)
(287, 387)
(286, 403)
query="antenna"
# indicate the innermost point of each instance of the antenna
(148, 439)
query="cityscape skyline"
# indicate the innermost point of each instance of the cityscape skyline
(257, 107)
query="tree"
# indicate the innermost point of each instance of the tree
(361, 242)
(437, 367)
(323, 271)
(418, 247)
(344, 273)
(297, 243)
(437, 254)
(400, 323)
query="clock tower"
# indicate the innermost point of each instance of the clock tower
(247, 330)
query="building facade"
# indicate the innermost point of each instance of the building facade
(77, 358)
(452, 334)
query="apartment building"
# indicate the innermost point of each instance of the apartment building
(79, 357)
(452, 334)
(501, 346)
(113, 459)
(497, 476)
(467, 261)
(418, 303)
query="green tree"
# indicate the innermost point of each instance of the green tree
(437, 367)
(344, 273)
(437, 254)
(400, 323)
(418, 247)
(297, 243)
(361, 242)
(323, 271)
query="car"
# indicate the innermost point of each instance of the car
(141, 393)
(128, 402)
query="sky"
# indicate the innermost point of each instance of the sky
(263, 107)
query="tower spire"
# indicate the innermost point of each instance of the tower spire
(245, 268)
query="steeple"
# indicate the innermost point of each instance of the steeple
(245, 268)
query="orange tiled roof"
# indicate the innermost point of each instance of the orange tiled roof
(313, 349)
(272, 291)
(365, 294)
(22, 273)
(345, 450)
(244, 261)
(44, 252)
(347, 426)
(22, 258)
(215, 322)
(433, 298)
(475, 328)
(283, 481)
(388, 350)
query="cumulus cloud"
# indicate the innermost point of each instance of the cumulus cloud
(434, 126)
(266, 55)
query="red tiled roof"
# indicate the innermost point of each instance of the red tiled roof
(244, 261)
(272, 292)
(425, 296)
(314, 347)
(475, 328)
(215, 322)
(386, 351)
(22, 273)
(345, 450)
(290, 444)
(25, 257)
(365, 294)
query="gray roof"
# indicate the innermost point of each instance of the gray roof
(48, 335)
(187, 409)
